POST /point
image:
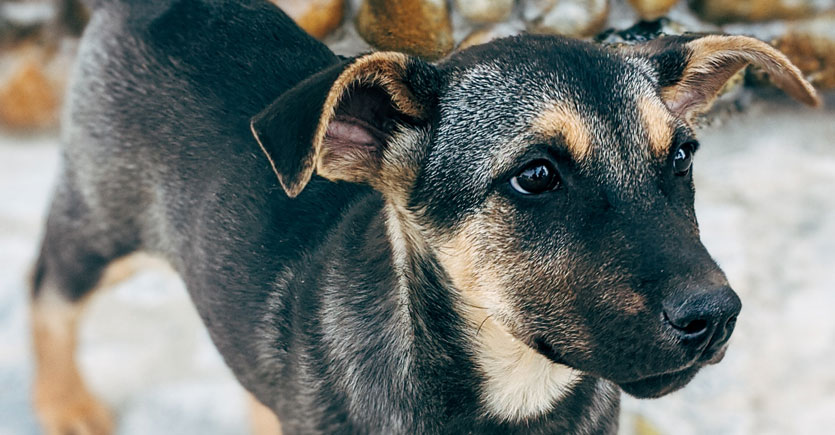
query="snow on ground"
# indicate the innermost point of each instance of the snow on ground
(766, 202)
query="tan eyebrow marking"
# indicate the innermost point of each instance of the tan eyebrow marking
(563, 121)
(657, 121)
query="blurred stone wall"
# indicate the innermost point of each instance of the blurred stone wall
(37, 37)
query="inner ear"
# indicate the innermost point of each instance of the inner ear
(363, 119)
(341, 121)
(358, 133)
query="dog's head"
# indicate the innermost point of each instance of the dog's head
(551, 179)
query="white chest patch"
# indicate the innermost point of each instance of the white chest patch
(520, 383)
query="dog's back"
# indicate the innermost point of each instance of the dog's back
(157, 136)
(169, 87)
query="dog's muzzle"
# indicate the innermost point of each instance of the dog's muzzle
(694, 331)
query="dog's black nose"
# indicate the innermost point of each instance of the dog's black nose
(702, 315)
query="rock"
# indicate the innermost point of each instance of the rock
(644, 427)
(536, 8)
(317, 17)
(731, 88)
(28, 100)
(724, 11)
(811, 46)
(487, 34)
(652, 9)
(12, 34)
(44, 22)
(71, 17)
(641, 31)
(484, 11)
(418, 27)
(566, 17)
(22, 22)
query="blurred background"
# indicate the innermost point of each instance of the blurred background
(765, 178)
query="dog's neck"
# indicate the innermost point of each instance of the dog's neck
(390, 343)
(513, 383)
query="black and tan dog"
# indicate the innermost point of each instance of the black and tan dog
(497, 243)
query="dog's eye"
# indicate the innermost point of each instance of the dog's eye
(683, 158)
(539, 176)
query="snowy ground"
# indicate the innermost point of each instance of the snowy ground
(766, 202)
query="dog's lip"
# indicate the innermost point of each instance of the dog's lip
(661, 384)
(646, 386)
(715, 356)
(541, 345)
(658, 375)
(544, 348)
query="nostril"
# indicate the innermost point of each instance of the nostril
(695, 327)
(688, 326)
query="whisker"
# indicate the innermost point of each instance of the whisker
(482, 324)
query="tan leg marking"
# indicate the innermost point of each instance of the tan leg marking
(563, 121)
(264, 421)
(63, 403)
(125, 267)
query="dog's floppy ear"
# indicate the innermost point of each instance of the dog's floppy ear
(339, 121)
(692, 69)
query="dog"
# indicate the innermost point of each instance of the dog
(497, 243)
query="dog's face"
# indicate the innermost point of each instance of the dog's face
(551, 180)
(568, 212)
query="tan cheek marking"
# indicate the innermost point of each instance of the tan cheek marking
(519, 383)
(657, 121)
(631, 302)
(479, 283)
(458, 261)
(562, 121)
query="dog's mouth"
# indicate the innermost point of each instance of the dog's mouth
(542, 346)
(659, 385)
(652, 386)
